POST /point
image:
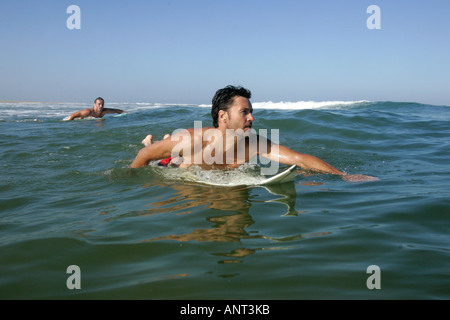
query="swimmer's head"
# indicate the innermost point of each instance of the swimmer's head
(99, 103)
(224, 98)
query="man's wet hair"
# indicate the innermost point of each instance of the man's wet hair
(223, 99)
(99, 98)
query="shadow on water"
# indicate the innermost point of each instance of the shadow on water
(228, 212)
(235, 200)
(186, 197)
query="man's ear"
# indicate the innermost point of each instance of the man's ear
(223, 116)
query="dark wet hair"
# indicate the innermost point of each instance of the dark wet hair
(224, 98)
(99, 98)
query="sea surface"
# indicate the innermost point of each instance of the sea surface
(68, 198)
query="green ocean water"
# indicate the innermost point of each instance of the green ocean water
(67, 197)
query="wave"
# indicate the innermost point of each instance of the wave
(43, 110)
(299, 105)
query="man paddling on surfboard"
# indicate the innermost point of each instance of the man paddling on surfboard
(229, 143)
(97, 111)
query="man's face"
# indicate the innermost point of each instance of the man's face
(240, 114)
(98, 105)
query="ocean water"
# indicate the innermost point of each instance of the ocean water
(68, 198)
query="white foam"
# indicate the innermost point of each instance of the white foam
(46, 110)
(243, 175)
(297, 105)
(40, 110)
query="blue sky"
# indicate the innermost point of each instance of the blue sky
(182, 51)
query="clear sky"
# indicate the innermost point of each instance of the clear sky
(182, 51)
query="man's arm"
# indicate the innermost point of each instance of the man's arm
(287, 156)
(170, 147)
(110, 110)
(156, 151)
(79, 114)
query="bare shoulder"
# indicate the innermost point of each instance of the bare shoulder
(85, 112)
(81, 113)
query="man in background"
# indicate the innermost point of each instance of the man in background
(97, 111)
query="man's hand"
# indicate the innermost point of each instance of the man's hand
(358, 178)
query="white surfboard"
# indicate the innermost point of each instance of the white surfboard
(284, 176)
(84, 119)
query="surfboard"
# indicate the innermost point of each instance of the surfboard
(93, 118)
(286, 175)
(84, 119)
